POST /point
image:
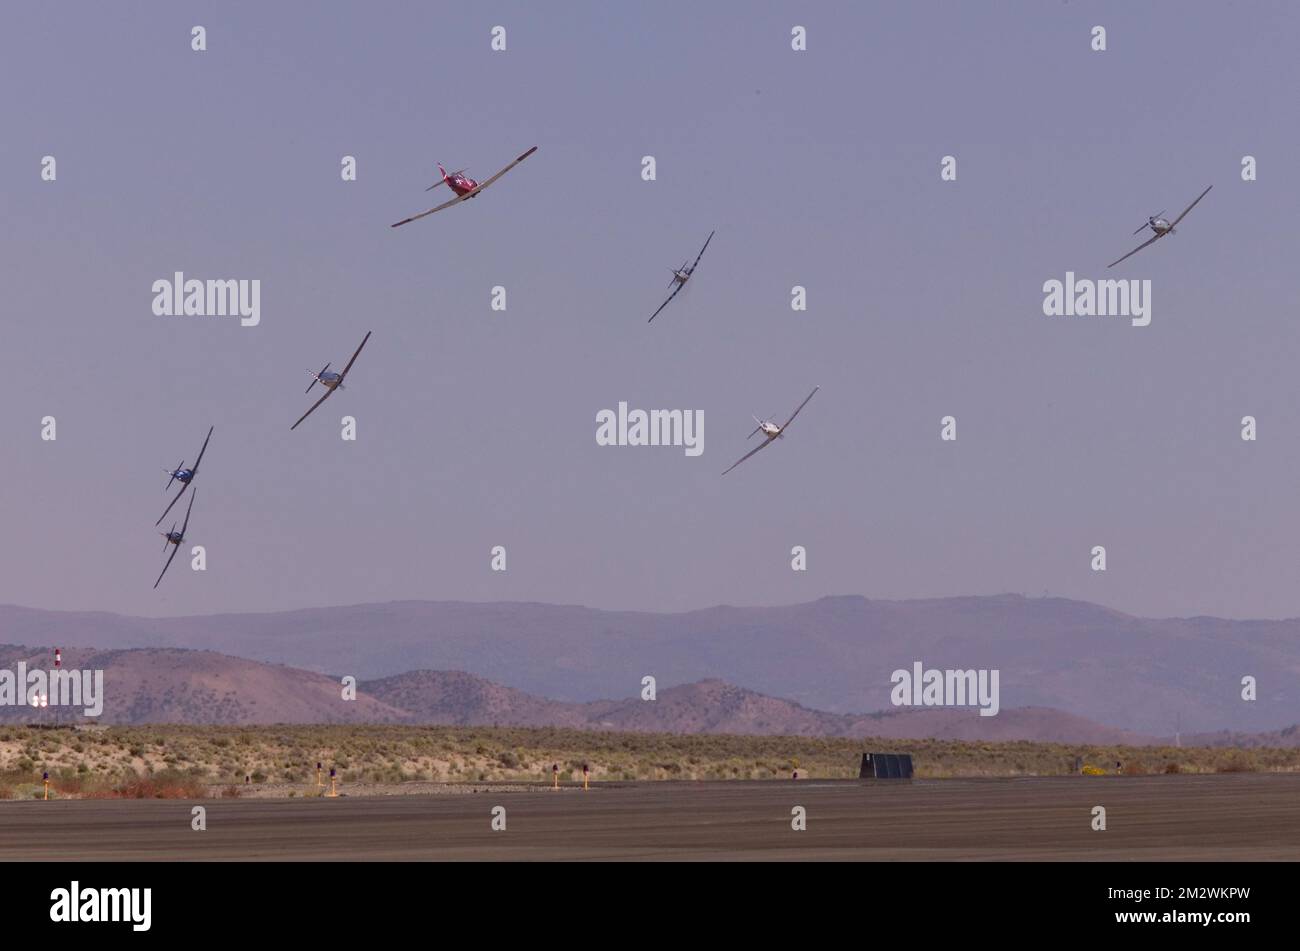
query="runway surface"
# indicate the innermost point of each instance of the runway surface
(1232, 816)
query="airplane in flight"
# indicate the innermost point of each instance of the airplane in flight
(175, 538)
(681, 275)
(331, 381)
(465, 188)
(1160, 226)
(184, 477)
(771, 431)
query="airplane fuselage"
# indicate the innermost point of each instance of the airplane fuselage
(457, 182)
(462, 185)
(176, 538)
(183, 475)
(1160, 226)
(770, 430)
(330, 380)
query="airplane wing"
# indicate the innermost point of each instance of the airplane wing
(483, 185)
(680, 285)
(312, 410)
(174, 500)
(175, 549)
(801, 406)
(186, 524)
(1190, 207)
(195, 470)
(763, 445)
(1150, 240)
(354, 356)
(446, 204)
(471, 194)
(701, 254)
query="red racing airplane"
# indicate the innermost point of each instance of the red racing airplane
(463, 187)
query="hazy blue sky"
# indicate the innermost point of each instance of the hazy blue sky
(818, 168)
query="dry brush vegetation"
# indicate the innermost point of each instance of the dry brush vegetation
(193, 761)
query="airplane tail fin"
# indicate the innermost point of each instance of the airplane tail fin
(443, 172)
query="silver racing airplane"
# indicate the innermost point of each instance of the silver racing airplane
(1160, 226)
(331, 381)
(771, 431)
(681, 275)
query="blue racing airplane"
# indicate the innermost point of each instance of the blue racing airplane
(183, 476)
(175, 538)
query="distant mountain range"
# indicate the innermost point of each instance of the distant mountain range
(1150, 676)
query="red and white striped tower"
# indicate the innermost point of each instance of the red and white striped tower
(58, 663)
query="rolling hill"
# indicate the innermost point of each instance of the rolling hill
(170, 685)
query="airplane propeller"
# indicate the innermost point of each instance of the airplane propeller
(172, 473)
(761, 423)
(316, 379)
(1150, 221)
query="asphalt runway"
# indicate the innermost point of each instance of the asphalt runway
(1213, 817)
